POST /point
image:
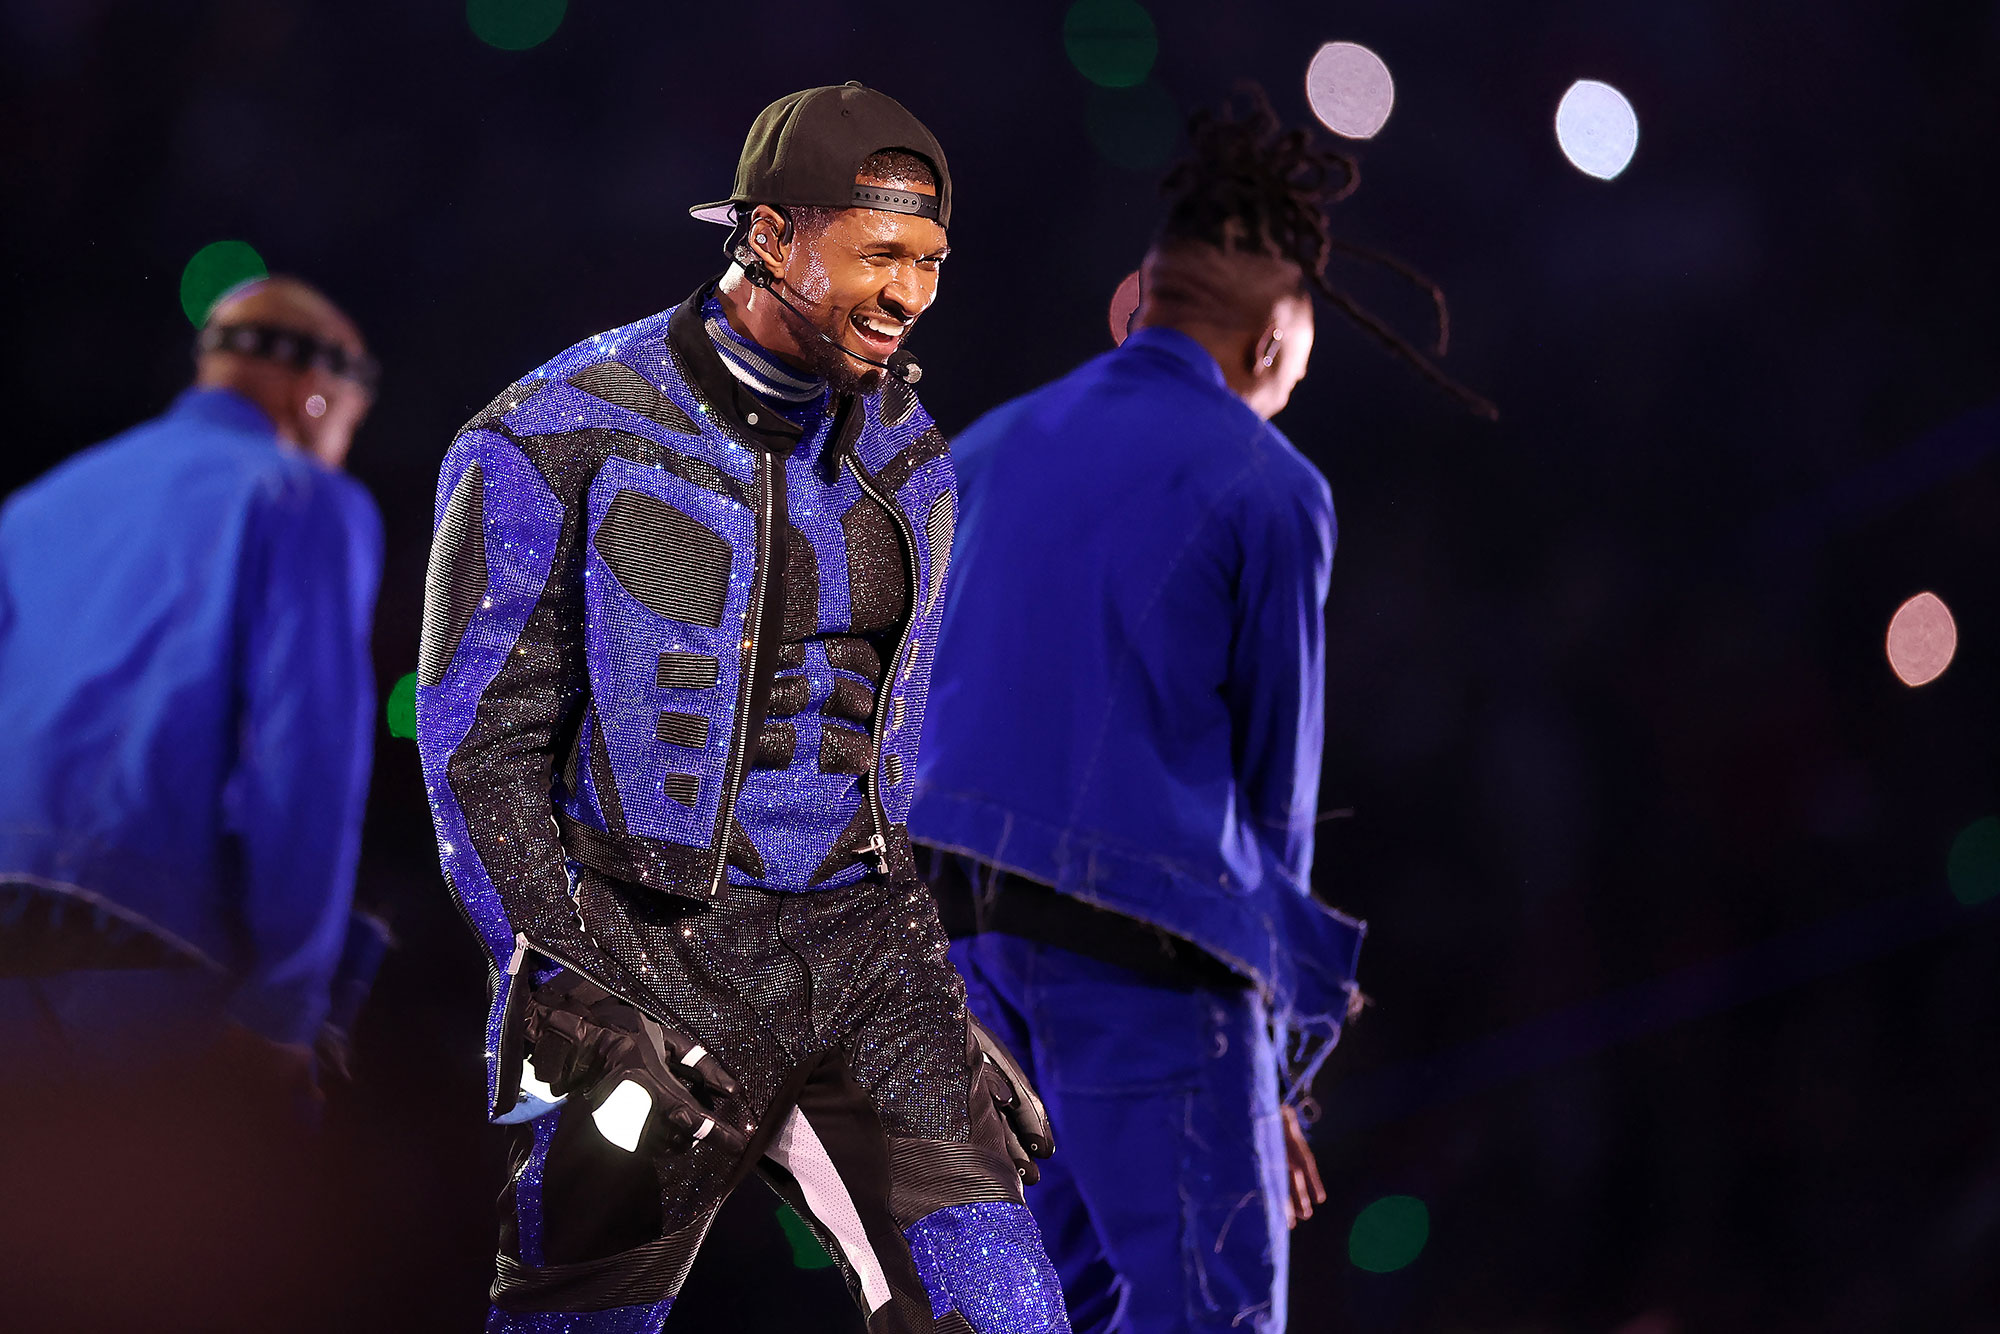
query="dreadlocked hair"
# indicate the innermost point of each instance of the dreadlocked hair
(1248, 184)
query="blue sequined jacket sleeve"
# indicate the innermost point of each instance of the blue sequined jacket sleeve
(500, 673)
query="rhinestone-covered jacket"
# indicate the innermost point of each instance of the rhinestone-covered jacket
(602, 633)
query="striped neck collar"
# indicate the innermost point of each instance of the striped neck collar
(763, 374)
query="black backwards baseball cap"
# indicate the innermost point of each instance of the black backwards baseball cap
(805, 150)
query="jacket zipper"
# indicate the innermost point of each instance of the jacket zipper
(878, 847)
(739, 749)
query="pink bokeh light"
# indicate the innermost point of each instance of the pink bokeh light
(1123, 302)
(1922, 639)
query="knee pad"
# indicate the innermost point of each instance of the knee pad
(987, 1263)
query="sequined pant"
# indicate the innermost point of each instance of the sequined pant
(840, 1014)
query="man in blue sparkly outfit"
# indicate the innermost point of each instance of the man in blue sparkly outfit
(679, 619)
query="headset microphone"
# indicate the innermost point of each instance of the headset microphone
(900, 363)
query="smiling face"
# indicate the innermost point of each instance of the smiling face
(860, 276)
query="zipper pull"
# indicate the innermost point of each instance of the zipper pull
(878, 848)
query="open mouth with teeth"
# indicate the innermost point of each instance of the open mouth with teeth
(879, 334)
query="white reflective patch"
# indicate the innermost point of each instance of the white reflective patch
(694, 1055)
(623, 1115)
(706, 1126)
(534, 1087)
(799, 1151)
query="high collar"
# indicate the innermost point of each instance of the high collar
(725, 397)
(226, 408)
(1181, 349)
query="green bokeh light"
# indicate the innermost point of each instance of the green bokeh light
(515, 25)
(1974, 864)
(1389, 1234)
(807, 1253)
(1134, 128)
(214, 269)
(402, 708)
(1111, 42)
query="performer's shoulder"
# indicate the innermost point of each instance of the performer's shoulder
(1293, 483)
(624, 379)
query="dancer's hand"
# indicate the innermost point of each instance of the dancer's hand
(1028, 1131)
(588, 1042)
(1302, 1171)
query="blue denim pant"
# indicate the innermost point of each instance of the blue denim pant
(1164, 1206)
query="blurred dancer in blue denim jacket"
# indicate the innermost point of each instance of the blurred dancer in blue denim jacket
(1119, 779)
(187, 697)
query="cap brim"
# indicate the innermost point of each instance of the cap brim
(722, 212)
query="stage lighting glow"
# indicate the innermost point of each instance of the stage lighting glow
(402, 708)
(1350, 89)
(1113, 43)
(515, 25)
(1389, 1234)
(1134, 128)
(212, 271)
(1922, 639)
(1974, 865)
(1124, 302)
(1597, 128)
(623, 1115)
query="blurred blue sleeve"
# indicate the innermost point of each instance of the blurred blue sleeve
(1277, 700)
(313, 565)
(1277, 666)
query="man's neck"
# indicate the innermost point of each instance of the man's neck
(1229, 346)
(774, 379)
(758, 321)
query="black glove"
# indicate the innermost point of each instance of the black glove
(1000, 1077)
(587, 1041)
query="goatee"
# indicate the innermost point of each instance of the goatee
(827, 359)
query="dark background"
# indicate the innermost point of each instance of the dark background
(1678, 1026)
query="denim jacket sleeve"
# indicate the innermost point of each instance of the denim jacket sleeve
(1276, 694)
(305, 737)
(1277, 661)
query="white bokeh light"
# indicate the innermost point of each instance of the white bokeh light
(1350, 89)
(1597, 128)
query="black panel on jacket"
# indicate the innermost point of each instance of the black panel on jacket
(801, 586)
(842, 750)
(850, 654)
(938, 526)
(676, 566)
(455, 582)
(852, 700)
(777, 746)
(688, 671)
(615, 382)
(743, 854)
(878, 579)
(789, 695)
(683, 729)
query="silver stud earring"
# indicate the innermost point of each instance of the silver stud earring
(316, 406)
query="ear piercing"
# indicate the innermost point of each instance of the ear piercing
(316, 406)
